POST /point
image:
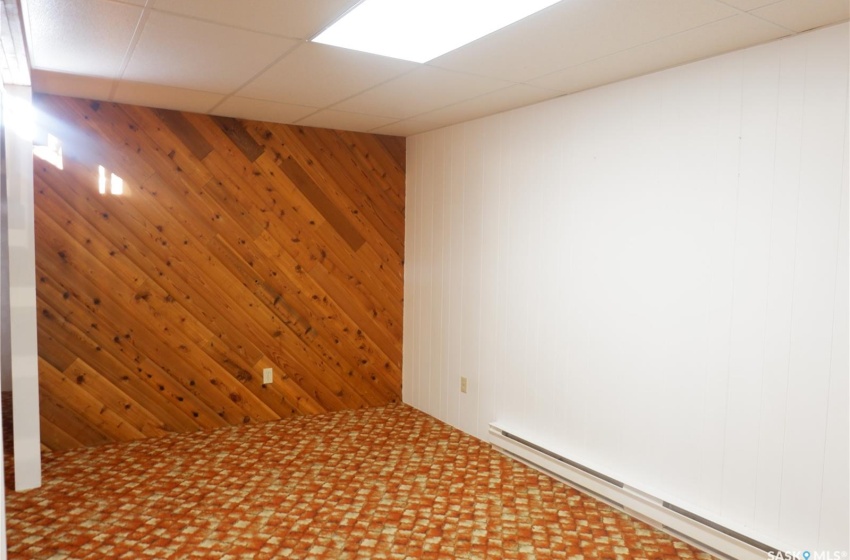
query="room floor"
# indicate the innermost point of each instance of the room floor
(387, 482)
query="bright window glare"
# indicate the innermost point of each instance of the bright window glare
(113, 181)
(51, 153)
(20, 117)
(420, 30)
(116, 184)
(101, 179)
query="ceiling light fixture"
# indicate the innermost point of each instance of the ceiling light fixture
(421, 30)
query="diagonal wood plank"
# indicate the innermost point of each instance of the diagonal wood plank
(235, 246)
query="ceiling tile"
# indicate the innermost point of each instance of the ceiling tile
(259, 110)
(181, 52)
(342, 120)
(407, 127)
(320, 75)
(802, 15)
(290, 18)
(71, 85)
(748, 5)
(490, 103)
(200, 51)
(87, 37)
(420, 91)
(577, 31)
(165, 97)
(723, 36)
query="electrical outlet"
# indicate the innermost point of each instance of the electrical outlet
(463, 384)
(267, 375)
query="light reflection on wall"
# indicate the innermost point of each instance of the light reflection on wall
(51, 153)
(21, 120)
(20, 117)
(62, 145)
(101, 179)
(114, 182)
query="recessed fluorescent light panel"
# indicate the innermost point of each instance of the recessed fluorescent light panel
(420, 30)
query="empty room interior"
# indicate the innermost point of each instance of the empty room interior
(396, 279)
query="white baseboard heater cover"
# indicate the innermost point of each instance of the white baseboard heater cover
(689, 527)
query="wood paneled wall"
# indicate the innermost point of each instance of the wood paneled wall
(235, 245)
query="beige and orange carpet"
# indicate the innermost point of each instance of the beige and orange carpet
(380, 483)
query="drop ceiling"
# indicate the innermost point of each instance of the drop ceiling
(253, 59)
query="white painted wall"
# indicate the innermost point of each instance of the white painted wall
(5, 365)
(5, 321)
(18, 125)
(4, 379)
(2, 501)
(652, 279)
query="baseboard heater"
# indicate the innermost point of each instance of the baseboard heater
(703, 533)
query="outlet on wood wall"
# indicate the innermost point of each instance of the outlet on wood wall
(180, 254)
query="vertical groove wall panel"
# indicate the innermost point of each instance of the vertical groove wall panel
(235, 246)
(650, 278)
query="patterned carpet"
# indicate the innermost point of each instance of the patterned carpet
(380, 483)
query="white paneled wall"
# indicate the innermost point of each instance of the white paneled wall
(652, 279)
(4, 379)
(20, 236)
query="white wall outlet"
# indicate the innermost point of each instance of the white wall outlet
(267, 375)
(463, 384)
